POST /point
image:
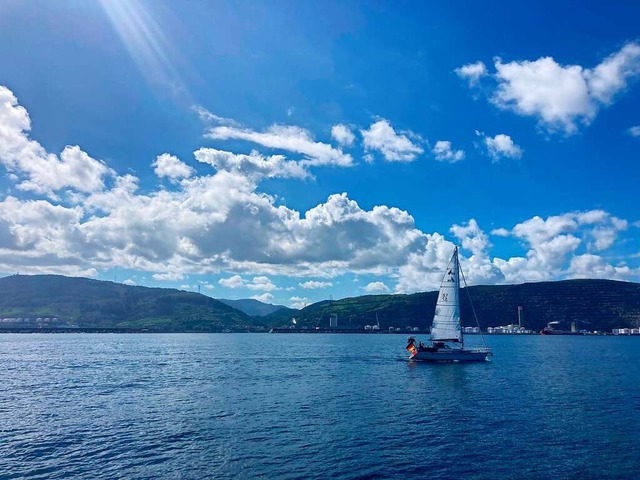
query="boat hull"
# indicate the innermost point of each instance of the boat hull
(451, 356)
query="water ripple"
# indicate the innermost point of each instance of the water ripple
(315, 406)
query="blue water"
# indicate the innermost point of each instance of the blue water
(315, 406)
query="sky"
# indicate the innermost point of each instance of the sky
(294, 152)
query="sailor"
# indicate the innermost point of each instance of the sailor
(411, 347)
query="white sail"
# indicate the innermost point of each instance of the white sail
(446, 321)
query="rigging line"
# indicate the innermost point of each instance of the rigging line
(473, 309)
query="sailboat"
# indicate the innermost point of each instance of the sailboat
(446, 340)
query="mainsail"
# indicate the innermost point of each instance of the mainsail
(446, 321)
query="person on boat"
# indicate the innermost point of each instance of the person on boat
(411, 345)
(420, 345)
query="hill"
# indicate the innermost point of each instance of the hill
(87, 303)
(594, 304)
(252, 307)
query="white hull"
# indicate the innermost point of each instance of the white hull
(452, 355)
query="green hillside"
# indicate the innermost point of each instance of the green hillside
(252, 307)
(594, 304)
(86, 303)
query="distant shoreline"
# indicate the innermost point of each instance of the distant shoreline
(275, 330)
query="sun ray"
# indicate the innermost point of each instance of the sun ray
(145, 42)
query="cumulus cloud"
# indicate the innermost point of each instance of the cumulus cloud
(634, 131)
(313, 284)
(501, 146)
(445, 153)
(424, 266)
(559, 96)
(222, 222)
(594, 266)
(394, 146)
(235, 281)
(553, 240)
(552, 252)
(253, 165)
(500, 232)
(36, 169)
(257, 283)
(263, 297)
(478, 267)
(170, 276)
(374, 287)
(170, 166)
(289, 138)
(343, 135)
(298, 302)
(472, 72)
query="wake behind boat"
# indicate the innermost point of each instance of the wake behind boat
(446, 340)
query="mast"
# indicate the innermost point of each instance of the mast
(473, 309)
(455, 252)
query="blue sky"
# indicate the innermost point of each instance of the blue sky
(292, 151)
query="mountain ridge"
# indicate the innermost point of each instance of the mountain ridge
(253, 307)
(88, 303)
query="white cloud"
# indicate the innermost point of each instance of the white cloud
(502, 146)
(298, 302)
(593, 266)
(592, 216)
(129, 282)
(478, 267)
(444, 153)
(343, 135)
(40, 171)
(289, 138)
(253, 165)
(612, 74)
(263, 297)
(606, 233)
(560, 96)
(553, 241)
(170, 166)
(234, 281)
(376, 287)
(634, 131)
(222, 222)
(500, 232)
(395, 147)
(313, 284)
(551, 245)
(423, 268)
(261, 283)
(472, 72)
(171, 276)
(208, 117)
(257, 283)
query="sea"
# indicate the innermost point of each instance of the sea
(315, 406)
